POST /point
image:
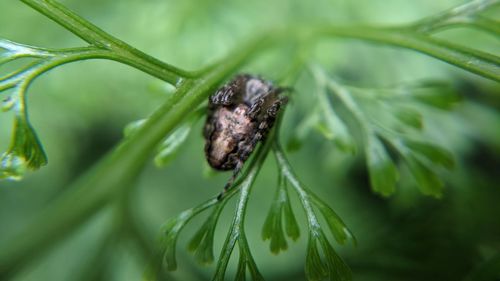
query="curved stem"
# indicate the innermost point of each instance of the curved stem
(461, 14)
(97, 37)
(286, 170)
(481, 63)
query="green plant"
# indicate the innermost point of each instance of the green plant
(398, 132)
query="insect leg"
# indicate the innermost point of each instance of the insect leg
(273, 110)
(223, 96)
(230, 93)
(231, 180)
(254, 110)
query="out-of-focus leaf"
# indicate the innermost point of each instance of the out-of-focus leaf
(434, 153)
(171, 145)
(323, 130)
(409, 117)
(169, 148)
(428, 182)
(337, 130)
(302, 130)
(441, 96)
(294, 144)
(132, 127)
(382, 170)
(171, 230)
(202, 242)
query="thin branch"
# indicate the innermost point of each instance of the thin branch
(481, 63)
(286, 169)
(333, 267)
(464, 14)
(489, 25)
(99, 38)
(237, 227)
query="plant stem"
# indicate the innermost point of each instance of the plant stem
(484, 64)
(99, 38)
(465, 13)
(237, 228)
(303, 193)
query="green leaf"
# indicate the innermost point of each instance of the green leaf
(273, 226)
(169, 148)
(428, 182)
(291, 225)
(315, 268)
(294, 143)
(439, 95)
(269, 223)
(241, 269)
(202, 242)
(337, 268)
(278, 240)
(335, 126)
(383, 172)
(434, 153)
(171, 230)
(302, 131)
(409, 117)
(25, 152)
(133, 127)
(252, 268)
(337, 227)
(324, 130)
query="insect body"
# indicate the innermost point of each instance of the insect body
(240, 114)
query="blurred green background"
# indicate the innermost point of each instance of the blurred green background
(80, 110)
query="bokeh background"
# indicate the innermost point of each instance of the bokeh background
(80, 110)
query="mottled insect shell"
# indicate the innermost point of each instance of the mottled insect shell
(240, 114)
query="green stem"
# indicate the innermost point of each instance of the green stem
(491, 26)
(484, 64)
(99, 38)
(237, 228)
(286, 170)
(460, 14)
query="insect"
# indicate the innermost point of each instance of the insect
(240, 114)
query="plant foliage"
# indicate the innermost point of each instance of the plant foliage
(386, 124)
